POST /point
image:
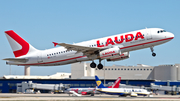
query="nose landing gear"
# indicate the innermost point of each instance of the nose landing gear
(152, 50)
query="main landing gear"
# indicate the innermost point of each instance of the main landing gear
(93, 65)
(152, 50)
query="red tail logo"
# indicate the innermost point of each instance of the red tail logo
(25, 45)
(116, 83)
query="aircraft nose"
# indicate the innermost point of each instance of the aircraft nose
(170, 35)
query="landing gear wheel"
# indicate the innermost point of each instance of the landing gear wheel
(100, 66)
(153, 54)
(93, 65)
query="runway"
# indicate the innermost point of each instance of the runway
(61, 97)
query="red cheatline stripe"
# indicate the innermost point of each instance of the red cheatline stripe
(85, 56)
(107, 55)
(147, 43)
(55, 61)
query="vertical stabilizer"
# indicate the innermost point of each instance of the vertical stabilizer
(19, 46)
(116, 83)
(99, 84)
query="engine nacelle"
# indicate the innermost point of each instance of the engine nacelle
(123, 56)
(110, 53)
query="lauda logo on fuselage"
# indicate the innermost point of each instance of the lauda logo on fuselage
(108, 52)
(128, 38)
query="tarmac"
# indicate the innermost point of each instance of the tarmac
(66, 97)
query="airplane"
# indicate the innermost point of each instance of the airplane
(119, 91)
(111, 48)
(91, 91)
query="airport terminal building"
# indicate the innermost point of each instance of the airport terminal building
(83, 76)
(139, 72)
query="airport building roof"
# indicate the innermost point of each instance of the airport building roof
(58, 75)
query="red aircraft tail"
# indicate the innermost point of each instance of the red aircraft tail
(116, 83)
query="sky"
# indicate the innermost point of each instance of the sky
(41, 22)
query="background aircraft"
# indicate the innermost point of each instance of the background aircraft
(119, 91)
(91, 91)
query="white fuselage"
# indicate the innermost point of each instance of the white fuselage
(123, 91)
(126, 42)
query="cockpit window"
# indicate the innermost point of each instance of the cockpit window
(161, 31)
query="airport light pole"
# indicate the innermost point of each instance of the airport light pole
(104, 72)
(9, 69)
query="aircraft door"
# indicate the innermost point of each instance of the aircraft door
(39, 57)
(148, 34)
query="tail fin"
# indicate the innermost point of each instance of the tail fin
(99, 84)
(19, 46)
(116, 83)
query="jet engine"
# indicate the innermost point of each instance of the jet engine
(110, 53)
(123, 56)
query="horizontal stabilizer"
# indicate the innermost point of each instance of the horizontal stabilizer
(16, 59)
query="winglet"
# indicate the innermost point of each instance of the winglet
(54, 44)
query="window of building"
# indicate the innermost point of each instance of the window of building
(124, 68)
(138, 69)
(131, 69)
(105, 68)
(144, 69)
(147, 69)
(94, 85)
(150, 69)
(121, 68)
(88, 85)
(82, 85)
(128, 69)
(11, 84)
(76, 85)
(109, 69)
(71, 85)
(134, 69)
(115, 69)
(112, 69)
(1, 84)
(141, 69)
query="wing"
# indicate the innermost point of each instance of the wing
(78, 48)
(16, 59)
